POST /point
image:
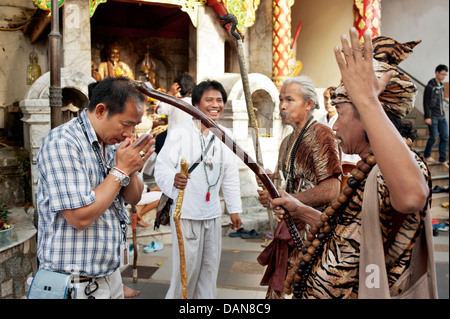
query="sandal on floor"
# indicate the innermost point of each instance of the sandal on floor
(252, 234)
(131, 249)
(239, 233)
(266, 242)
(153, 247)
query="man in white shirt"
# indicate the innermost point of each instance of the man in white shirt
(201, 211)
(182, 88)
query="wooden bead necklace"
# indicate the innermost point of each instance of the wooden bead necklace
(323, 228)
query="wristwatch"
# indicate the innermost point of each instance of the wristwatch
(121, 176)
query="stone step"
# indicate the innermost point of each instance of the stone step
(438, 198)
(411, 118)
(437, 168)
(441, 180)
(434, 151)
(421, 142)
(438, 212)
(422, 130)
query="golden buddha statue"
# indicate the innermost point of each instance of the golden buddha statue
(114, 67)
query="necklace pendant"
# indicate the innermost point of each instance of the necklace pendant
(208, 195)
(209, 163)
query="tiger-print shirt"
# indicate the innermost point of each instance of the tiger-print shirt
(335, 273)
(317, 158)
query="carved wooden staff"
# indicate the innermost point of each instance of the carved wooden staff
(134, 228)
(229, 19)
(228, 141)
(176, 219)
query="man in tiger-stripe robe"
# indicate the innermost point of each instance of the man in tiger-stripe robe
(371, 101)
(309, 161)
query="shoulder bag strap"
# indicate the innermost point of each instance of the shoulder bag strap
(191, 169)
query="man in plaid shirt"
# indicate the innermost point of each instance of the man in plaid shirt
(87, 169)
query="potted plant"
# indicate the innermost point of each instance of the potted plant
(5, 227)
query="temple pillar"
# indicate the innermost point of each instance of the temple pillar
(281, 40)
(367, 15)
(76, 40)
(36, 125)
(210, 45)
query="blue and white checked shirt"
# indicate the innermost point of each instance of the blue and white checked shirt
(68, 171)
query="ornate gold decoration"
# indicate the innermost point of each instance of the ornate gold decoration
(188, 6)
(367, 15)
(243, 10)
(93, 4)
(46, 4)
(281, 40)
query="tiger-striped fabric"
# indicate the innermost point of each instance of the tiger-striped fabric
(335, 273)
(317, 158)
(400, 93)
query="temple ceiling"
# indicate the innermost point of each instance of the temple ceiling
(244, 10)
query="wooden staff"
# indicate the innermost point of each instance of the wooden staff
(176, 219)
(232, 21)
(229, 142)
(134, 228)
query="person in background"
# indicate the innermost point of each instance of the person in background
(348, 160)
(434, 114)
(182, 88)
(331, 116)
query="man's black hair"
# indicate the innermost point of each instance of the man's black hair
(441, 67)
(186, 83)
(114, 93)
(206, 85)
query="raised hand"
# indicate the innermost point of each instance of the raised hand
(356, 67)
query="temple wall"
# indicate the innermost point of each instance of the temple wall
(420, 21)
(257, 37)
(15, 49)
(323, 22)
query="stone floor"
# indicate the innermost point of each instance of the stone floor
(240, 274)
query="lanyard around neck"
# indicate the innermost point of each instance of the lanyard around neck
(105, 171)
(96, 148)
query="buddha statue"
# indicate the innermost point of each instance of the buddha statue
(114, 67)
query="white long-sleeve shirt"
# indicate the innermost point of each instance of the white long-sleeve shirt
(183, 140)
(174, 115)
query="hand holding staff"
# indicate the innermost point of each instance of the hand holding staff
(176, 219)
